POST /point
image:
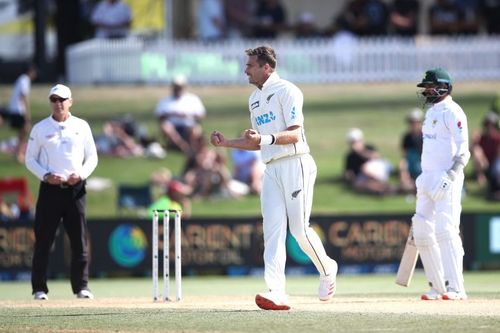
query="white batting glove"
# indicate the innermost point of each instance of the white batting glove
(443, 187)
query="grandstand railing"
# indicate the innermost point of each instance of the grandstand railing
(341, 59)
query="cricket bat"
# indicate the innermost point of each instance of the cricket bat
(408, 262)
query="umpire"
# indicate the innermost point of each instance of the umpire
(61, 152)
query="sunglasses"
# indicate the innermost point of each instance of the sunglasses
(57, 99)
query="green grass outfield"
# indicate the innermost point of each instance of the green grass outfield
(330, 110)
(367, 303)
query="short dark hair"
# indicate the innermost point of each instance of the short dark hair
(265, 55)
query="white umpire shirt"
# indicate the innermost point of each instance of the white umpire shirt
(274, 108)
(445, 134)
(61, 148)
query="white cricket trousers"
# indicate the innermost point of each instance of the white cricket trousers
(287, 194)
(436, 228)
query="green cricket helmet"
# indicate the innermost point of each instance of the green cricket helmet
(436, 83)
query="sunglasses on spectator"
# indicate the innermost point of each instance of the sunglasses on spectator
(57, 99)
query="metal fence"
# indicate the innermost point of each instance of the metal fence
(340, 59)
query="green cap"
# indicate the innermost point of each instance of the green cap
(435, 76)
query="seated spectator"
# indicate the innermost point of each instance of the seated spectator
(248, 168)
(404, 16)
(411, 145)
(207, 173)
(306, 26)
(445, 18)
(490, 11)
(364, 169)
(124, 138)
(211, 20)
(364, 17)
(238, 21)
(179, 192)
(270, 19)
(175, 197)
(180, 115)
(111, 19)
(485, 148)
(495, 179)
(472, 16)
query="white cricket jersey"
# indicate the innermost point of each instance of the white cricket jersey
(274, 108)
(445, 135)
(21, 88)
(61, 148)
(181, 111)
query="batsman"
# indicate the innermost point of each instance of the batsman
(436, 221)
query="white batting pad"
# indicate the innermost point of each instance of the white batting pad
(452, 254)
(431, 259)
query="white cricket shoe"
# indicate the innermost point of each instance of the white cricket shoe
(84, 293)
(431, 295)
(41, 295)
(328, 283)
(452, 295)
(272, 301)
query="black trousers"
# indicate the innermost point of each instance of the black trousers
(56, 204)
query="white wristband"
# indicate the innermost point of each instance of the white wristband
(267, 139)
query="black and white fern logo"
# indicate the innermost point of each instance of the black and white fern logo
(295, 194)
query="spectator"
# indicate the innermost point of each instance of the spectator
(117, 141)
(18, 111)
(306, 26)
(174, 196)
(446, 18)
(495, 178)
(411, 145)
(404, 16)
(485, 148)
(237, 19)
(270, 19)
(472, 16)
(211, 20)
(208, 175)
(180, 115)
(111, 19)
(248, 168)
(490, 11)
(169, 193)
(364, 169)
(364, 17)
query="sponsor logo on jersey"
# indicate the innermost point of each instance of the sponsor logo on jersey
(269, 98)
(434, 122)
(293, 114)
(265, 118)
(295, 193)
(50, 136)
(459, 124)
(430, 136)
(254, 105)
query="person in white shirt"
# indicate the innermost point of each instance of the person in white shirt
(180, 115)
(211, 20)
(287, 190)
(111, 18)
(436, 222)
(18, 111)
(61, 153)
